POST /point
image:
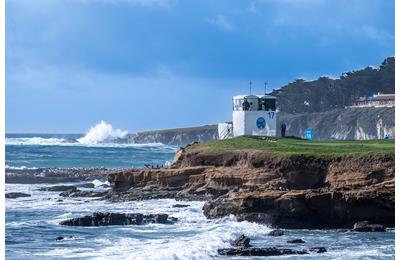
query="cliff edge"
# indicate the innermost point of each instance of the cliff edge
(289, 183)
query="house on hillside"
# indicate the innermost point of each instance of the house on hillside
(377, 100)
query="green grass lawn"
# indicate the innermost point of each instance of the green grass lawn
(292, 146)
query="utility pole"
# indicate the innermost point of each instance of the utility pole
(250, 87)
(265, 87)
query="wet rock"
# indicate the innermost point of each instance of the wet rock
(55, 175)
(364, 226)
(88, 185)
(14, 195)
(109, 219)
(319, 249)
(276, 233)
(104, 186)
(60, 238)
(81, 193)
(59, 200)
(156, 218)
(180, 206)
(269, 251)
(59, 188)
(242, 241)
(296, 241)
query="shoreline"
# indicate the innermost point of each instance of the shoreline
(295, 191)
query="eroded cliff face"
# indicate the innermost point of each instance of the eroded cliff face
(343, 124)
(181, 136)
(292, 192)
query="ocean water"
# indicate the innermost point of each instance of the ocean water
(65, 151)
(32, 222)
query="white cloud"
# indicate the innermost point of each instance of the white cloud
(221, 22)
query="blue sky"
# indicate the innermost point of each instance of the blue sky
(150, 64)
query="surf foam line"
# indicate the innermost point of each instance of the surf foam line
(62, 142)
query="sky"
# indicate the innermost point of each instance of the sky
(155, 64)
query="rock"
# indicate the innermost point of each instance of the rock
(59, 200)
(55, 175)
(109, 219)
(180, 206)
(59, 238)
(269, 251)
(364, 226)
(156, 218)
(276, 233)
(173, 219)
(242, 241)
(81, 193)
(320, 249)
(296, 241)
(294, 192)
(104, 186)
(14, 195)
(59, 188)
(88, 185)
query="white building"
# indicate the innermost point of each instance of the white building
(252, 115)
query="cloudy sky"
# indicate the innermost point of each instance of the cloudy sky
(149, 64)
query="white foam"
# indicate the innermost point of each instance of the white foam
(102, 132)
(63, 142)
(35, 141)
(20, 167)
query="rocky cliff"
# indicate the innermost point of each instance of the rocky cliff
(342, 124)
(177, 136)
(291, 192)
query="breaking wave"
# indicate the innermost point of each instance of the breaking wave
(102, 133)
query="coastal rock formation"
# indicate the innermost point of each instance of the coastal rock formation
(178, 136)
(243, 248)
(81, 193)
(342, 124)
(268, 251)
(242, 241)
(290, 192)
(59, 188)
(296, 241)
(109, 219)
(55, 175)
(276, 233)
(365, 226)
(14, 195)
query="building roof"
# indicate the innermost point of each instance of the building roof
(245, 96)
(378, 97)
(254, 96)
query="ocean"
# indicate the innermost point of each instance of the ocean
(32, 222)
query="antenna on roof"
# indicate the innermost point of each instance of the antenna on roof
(250, 87)
(265, 87)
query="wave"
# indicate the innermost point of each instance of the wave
(102, 132)
(19, 167)
(69, 142)
(35, 141)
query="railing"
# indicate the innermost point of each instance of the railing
(226, 133)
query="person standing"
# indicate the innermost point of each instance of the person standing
(283, 129)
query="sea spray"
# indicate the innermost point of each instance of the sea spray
(102, 132)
